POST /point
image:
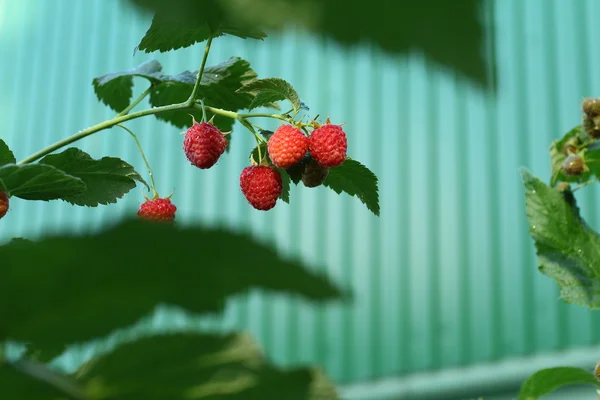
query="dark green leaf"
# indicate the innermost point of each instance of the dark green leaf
(548, 380)
(197, 366)
(28, 380)
(266, 134)
(217, 88)
(357, 180)
(6, 156)
(449, 33)
(267, 91)
(285, 181)
(107, 179)
(568, 249)
(39, 182)
(182, 23)
(121, 274)
(115, 89)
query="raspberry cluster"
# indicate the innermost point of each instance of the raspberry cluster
(261, 184)
(324, 148)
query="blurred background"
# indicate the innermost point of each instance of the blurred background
(448, 300)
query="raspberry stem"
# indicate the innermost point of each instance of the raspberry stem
(139, 146)
(192, 98)
(136, 101)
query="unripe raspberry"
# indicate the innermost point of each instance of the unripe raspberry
(203, 144)
(591, 106)
(287, 146)
(4, 204)
(573, 165)
(328, 145)
(570, 146)
(261, 185)
(160, 210)
(314, 173)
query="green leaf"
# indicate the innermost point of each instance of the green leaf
(285, 181)
(115, 89)
(450, 34)
(6, 156)
(267, 91)
(357, 180)
(29, 380)
(197, 366)
(121, 274)
(107, 179)
(217, 88)
(548, 380)
(568, 249)
(39, 182)
(182, 23)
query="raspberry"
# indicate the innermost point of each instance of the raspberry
(3, 204)
(573, 165)
(261, 186)
(203, 144)
(314, 173)
(161, 210)
(591, 106)
(328, 145)
(287, 146)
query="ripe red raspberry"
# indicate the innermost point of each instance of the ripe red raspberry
(3, 204)
(261, 186)
(328, 145)
(203, 144)
(161, 210)
(287, 146)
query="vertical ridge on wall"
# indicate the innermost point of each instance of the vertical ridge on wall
(445, 277)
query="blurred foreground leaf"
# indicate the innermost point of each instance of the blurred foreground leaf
(65, 289)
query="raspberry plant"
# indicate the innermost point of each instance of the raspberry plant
(568, 249)
(91, 286)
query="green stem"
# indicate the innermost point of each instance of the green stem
(139, 146)
(200, 72)
(101, 126)
(584, 184)
(136, 101)
(266, 115)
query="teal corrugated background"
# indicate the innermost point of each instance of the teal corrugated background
(447, 275)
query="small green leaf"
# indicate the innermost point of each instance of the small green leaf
(39, 182)
(267, 91)
(217, 88)
(28, 380)
(197, 366)
(255, 156)
(548, 380)
(285, 181)
(121, 274)
(6, 156)
(182, 23)
(115, 89)
(568, 249)
(107, 179)
(357, 180)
